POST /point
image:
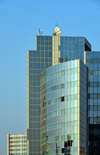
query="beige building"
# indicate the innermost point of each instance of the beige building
(17, 144)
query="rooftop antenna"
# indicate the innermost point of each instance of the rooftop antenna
(39, 32)
(56, 24)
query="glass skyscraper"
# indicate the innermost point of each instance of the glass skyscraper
(92, 60)
(37, 61)
(63, 93)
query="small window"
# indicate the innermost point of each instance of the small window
(60, 60)
(65, 144)
(62, 99)
(59, 47)
(62, 72)
(44, 104)
(62, 85)
(63, 150)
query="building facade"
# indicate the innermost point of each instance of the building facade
(92, 61)
(64, 109)
(37, 61)
(17, 144)
(55, 52)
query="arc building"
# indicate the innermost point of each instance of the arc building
(63, 96)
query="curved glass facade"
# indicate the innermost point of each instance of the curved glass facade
(64, 109)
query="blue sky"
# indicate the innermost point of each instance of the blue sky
(19, 24)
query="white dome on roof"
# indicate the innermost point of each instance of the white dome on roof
(56, 31)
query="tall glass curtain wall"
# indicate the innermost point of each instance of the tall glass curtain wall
(93, 63)
(63, 111)
(37, 61)
(72, 48)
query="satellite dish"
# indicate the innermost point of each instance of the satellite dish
(56, 31)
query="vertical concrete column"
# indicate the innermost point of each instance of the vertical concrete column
(55, 50)
(7, 144)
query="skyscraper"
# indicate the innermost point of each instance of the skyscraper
(57, 114)
(37, 61)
